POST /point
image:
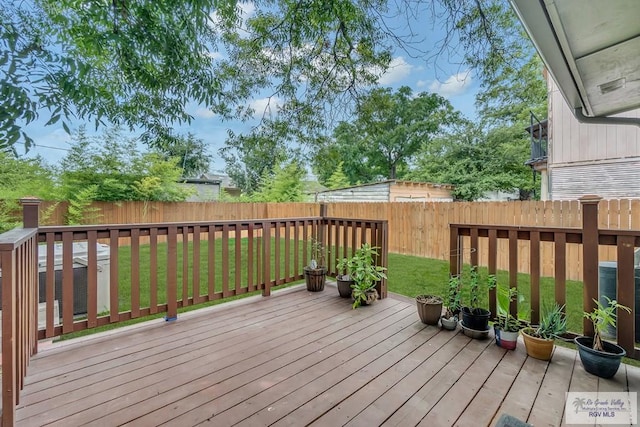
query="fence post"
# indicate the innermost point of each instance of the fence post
(30, 212)
(590, 241)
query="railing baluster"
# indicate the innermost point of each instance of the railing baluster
(626, 293)
(153, 270)
(560, 267)
(238, 258)
(276, 264)
(172, 273)
(135, 273)
(92, 279)
(50, 285)
(114, 315)
(296, 248)
(211, 259)
(513, 270)
(225, 260)
(67, 282)
(185, 266)
(287, 250)
(250, 264)
(492, 267)
(195, 286)
(266, 250)
(535, 276)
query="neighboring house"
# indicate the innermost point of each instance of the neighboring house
(389, 191)
(208, 187)
(575, 159)
(206, 190)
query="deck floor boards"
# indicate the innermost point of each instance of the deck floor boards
(299, 358)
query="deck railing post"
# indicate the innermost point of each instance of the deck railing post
(590, 243)
(30, 212)
(455, 252)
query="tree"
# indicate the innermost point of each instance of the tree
(338, 179)
(117, 170)
(190, 151)
(284, 184)
(138, 63)
(389, 129)
(476, 160)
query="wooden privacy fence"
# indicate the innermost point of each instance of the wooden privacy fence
(589, 238)
(420, 229)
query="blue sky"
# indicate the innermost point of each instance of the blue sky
(445, 78)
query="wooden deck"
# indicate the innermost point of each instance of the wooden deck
(299, 358)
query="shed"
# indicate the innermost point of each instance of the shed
(389, 191)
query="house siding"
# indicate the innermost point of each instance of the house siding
(610, 180)
(365, 193)
(590, 158)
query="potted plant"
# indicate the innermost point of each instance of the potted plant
(429, 308)
(539, 341)
(365, 274)
(600, 357)
(343, 278)
(315, 273)
(474, 317)
(449, 319)
(506, 326)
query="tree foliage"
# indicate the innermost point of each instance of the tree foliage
(338, 179)
(139, 63)
(389, 129)
(190, 152)
(118, 170)
(284, 184)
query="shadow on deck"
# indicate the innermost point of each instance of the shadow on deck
(299, 358)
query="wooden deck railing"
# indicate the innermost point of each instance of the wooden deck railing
(18, 263)
(123, 272)
(589, 237)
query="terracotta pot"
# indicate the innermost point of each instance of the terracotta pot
(538, 348)
(315, 278)
(344, 286)
(429, 309)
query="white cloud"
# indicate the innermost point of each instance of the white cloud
(204, 113)
(247, 10)
(216, 56)
(397, 71)
(265, 106)
(456, 84)
(421, 83)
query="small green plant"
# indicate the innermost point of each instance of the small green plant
(454, 299)
(344, 267)
(552, 324)
(504, 319)
(365, 273)
(602, 317)
(316, 251)
(474, 288)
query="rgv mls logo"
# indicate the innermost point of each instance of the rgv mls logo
(601, 408)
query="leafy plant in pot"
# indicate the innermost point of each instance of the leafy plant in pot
(449, 319)
(365, 274)
(539, 341)
(506, 326)
(600, 357)
(315, 273)
(474, 317)
(344, 279)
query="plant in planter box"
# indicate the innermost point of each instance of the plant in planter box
(343, 278)
(600, 357)
(474, 317)
(365, 274)
(539, 341)
(315, 273)
(449, 319)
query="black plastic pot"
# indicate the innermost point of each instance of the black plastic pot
(603, 364)
(344, 286)
(476, 319)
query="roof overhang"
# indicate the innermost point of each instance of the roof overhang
(591, 48)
